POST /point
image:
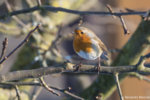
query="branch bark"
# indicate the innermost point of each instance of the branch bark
(85, 69)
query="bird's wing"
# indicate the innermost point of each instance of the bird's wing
(101, 44)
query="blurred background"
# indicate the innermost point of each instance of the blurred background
(31, 55)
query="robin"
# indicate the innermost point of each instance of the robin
(87, 45)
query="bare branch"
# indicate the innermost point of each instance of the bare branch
(65, 91)
(139, 76)
(110, 10)
(118, 85)
(142, 59)
(5, 43)
(19, 45)
(57, 38)
(73, 95)
(85, 69)
(126, 31)
(17, 92)
(14, 17)
(56, 9)
(47, 87)
(54, 42)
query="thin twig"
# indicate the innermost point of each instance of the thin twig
(126, 31)
(73, 95)
(146, 15)
(142, 59)
(65, 91)
(118, 85)
(47, 87)
(110, 10)
(139, 76)
(14, 17)
(17, 92)
(54, 43)
(19, 45)
(35, 93)
(5, 43)
(56, 9)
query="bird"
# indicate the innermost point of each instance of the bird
(88, 45)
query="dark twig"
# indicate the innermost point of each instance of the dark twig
(54, 43)
(65, 91)
(142, 59)
(19, 45)
(14, 17)
(56, 9)
(57, 37)
(17, 92)
(121, 19)
(47, 87)
(5, 43)
(126, 31)
(110, 10)
(118, 85)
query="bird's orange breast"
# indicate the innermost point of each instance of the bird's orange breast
(82, 42)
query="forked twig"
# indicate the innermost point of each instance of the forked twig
(47, 87)
(65, 91)
(19, 45)
(110, 10)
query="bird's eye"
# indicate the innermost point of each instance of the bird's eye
(82, 32)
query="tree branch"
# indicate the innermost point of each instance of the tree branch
(17, 92)
(19, 45)
(43, 83)
(56, 9)
(5, 43)
(65, 91)
(85, 69)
